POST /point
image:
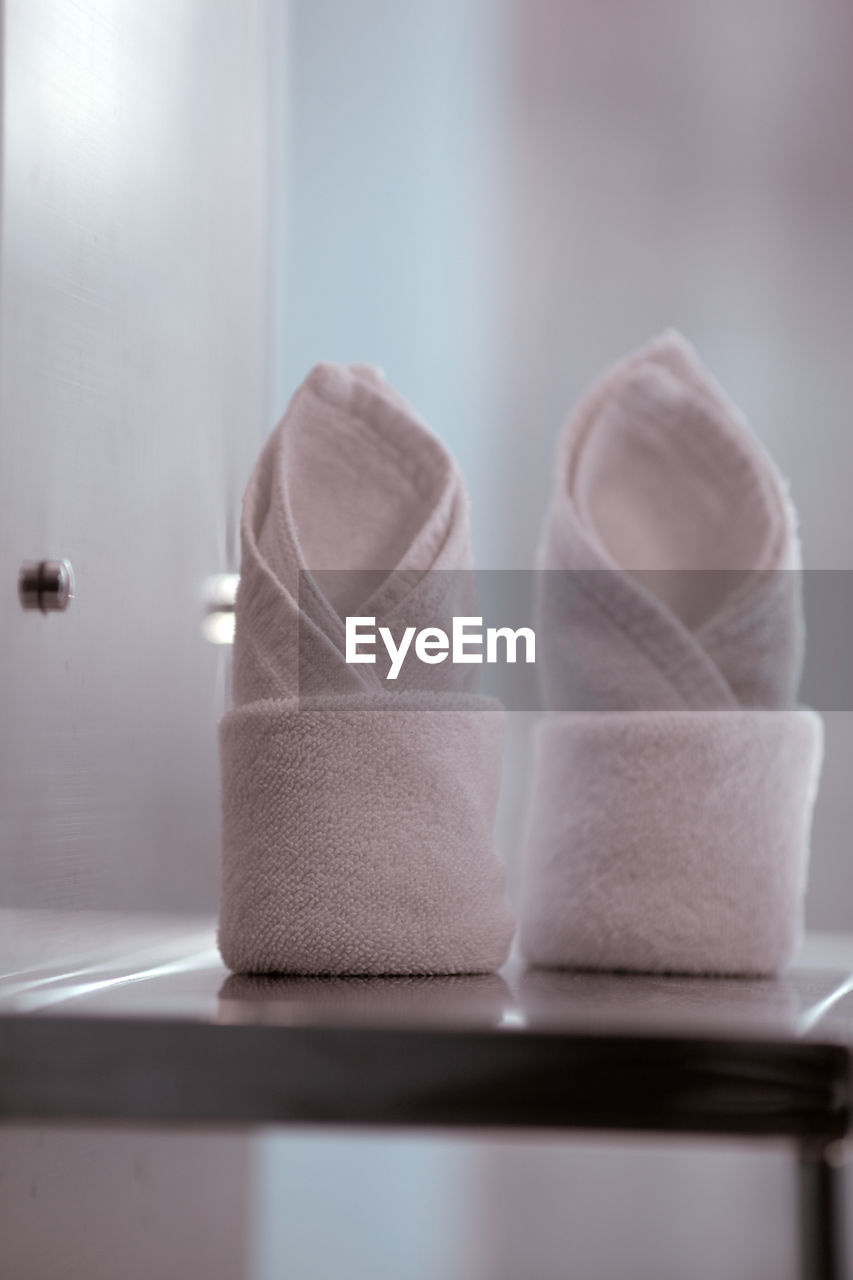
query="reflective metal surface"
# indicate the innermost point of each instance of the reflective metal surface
(134, 278)
(105, 1015)
(109, 964)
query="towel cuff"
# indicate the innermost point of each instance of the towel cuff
(672, 841)
(357, 838)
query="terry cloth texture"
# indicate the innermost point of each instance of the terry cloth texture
(674, 776)
(357, 813)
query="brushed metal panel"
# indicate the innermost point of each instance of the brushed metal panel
(133, 367)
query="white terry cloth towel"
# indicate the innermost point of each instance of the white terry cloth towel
(673, 775)
(357, 812)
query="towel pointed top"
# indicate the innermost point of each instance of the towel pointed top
(663, 490)
(351, 505)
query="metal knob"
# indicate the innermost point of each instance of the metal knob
(219, 594)
(46, 584)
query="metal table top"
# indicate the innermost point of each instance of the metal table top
(106, 1016)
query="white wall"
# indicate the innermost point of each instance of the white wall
(391, 241)
(114, 1203)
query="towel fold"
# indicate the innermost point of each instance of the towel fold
(674, 776)
(357, 821)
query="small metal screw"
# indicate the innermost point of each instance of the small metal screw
(46, 584)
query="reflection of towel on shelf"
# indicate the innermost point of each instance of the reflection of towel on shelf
(357, 822)
(673, 778)
(471, 1000)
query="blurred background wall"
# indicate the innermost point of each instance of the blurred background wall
(493, 200)
(496, 199)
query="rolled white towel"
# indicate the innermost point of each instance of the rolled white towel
(357, 821)
(674, 776)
